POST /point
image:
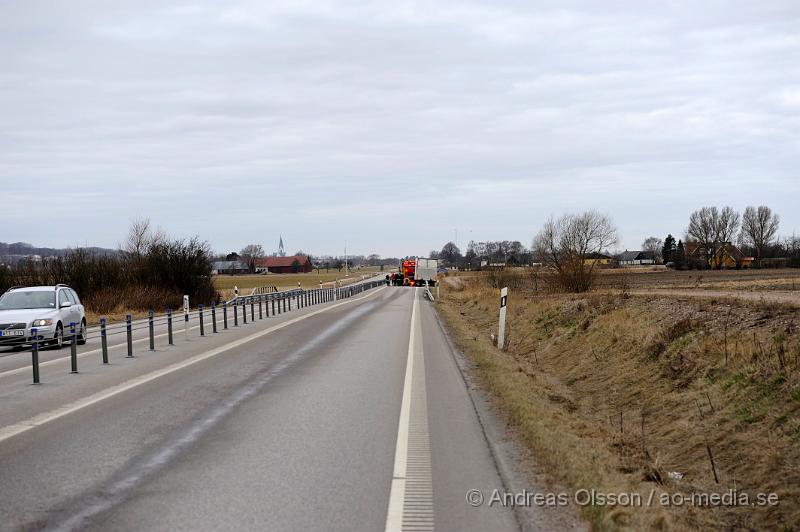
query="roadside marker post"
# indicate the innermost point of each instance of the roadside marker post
(225, 315)
(104, 340)
(272, 298)
(252, 309)
(244, 311)
(202, 324)
(186, 316)
(260, 307)
(35, 354)
(169, 327)
(501, 331)
(214, 317)
(130, 335)
(235, 314)
(73, 348)
(150, 329)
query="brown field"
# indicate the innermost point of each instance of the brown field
(627, 394)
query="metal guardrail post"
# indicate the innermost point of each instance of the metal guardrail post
(252, 309)
(214, 318)
(73, 348)
(225, 315)
(151, 330)
(260, 307)
(169, 327)
(244, 311)
(235, 313)
(283, 298)
(273, 304)
(290, 302)
(130, 335)
(104, 340)
(35, 354)
(202, 321)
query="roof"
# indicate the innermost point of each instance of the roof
(276, 262)
(36, 288)
(229, 265)
(626, 255)
(596, 256)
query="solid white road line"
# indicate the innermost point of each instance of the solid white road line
(412, 471)
(10, 431)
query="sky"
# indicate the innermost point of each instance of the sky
(391, 127)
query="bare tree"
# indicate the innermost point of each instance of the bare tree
(450, 254)
(703, 229)
(653, 246)
(138, 237)
(759, 228)
(568, 243)
(711, 228)
(251, 252)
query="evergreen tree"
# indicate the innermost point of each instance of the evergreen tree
(668, 250)
(679, 258)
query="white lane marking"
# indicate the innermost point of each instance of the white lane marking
(12, 430)
(64, 359)
(411, 493)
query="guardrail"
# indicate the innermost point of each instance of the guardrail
(268, 305)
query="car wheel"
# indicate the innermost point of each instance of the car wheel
(58, 338)
(82, 333)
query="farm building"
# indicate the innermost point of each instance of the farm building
(726, 255)
(635, 258)
(230, 267)
(293, 264)
(597, 259)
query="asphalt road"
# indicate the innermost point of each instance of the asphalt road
(350, 415)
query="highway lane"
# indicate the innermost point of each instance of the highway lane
(292, 429)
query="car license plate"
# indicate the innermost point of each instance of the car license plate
(13, 332)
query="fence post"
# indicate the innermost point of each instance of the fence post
(214, 317)
(73, 349)
(235, 313)
(501, 330)
(35, 354)
(169, 327)
(150, 330)
(202, 324)
(225, 315)
(104, 340)
(130, 335)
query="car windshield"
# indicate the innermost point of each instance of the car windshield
(31, 299)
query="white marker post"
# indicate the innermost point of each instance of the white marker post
(186, 316)
(501, 332)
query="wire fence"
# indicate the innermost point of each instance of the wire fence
(217, 316)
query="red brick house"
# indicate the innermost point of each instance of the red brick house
(293, 264)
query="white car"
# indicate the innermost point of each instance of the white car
(49, 309)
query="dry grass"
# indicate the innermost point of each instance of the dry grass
(225, 283)
(612, 393)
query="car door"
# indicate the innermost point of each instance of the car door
(67, 313)
(79, 310)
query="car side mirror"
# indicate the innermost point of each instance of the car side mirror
(66, 304)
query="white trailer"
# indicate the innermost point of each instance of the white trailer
(426, 270)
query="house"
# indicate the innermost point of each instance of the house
(293, 264)
(726, 255)
(635, 258)
(596, 259)
(230, 267)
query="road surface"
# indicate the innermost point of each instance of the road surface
(349, 415)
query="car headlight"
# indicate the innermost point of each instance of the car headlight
(41, 323)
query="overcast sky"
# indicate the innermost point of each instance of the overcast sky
(389, 125)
